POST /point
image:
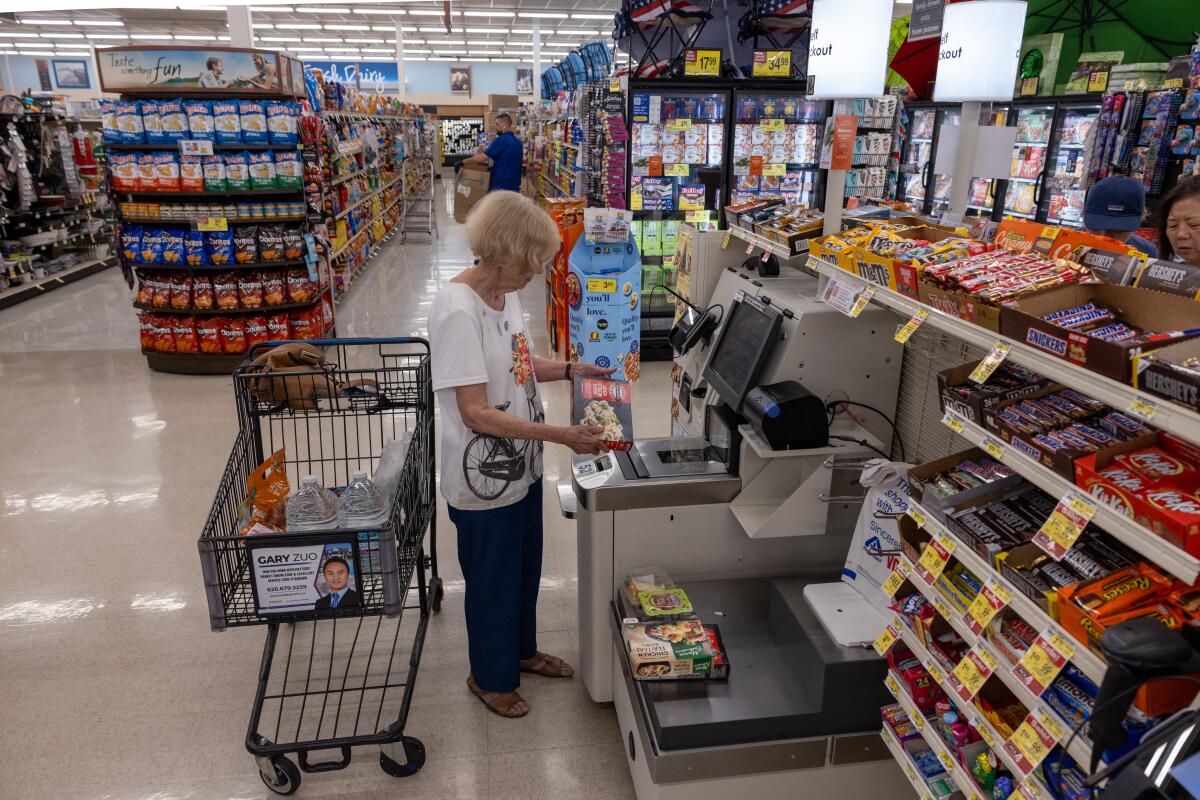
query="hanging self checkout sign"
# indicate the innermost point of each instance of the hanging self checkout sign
(702, 63)
(771, 64)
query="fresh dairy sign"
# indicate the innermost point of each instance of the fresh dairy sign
(979, 51)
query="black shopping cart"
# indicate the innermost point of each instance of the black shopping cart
(332, 678)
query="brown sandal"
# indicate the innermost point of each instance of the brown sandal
(495, 701)
(548, 666)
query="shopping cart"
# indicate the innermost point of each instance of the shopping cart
(333, 678)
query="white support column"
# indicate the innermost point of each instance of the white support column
(241, 34)
(403, 90)
(964, 159)
(537, 61)
(12, 87)
(835, 198)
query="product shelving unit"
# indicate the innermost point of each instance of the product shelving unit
(962, 779)
(1175, 419)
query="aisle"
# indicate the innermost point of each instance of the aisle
(114, 685)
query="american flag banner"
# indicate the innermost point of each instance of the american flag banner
(779, 15)
(645, 13)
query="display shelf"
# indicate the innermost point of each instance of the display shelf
(188, 220)
(263, 309)
(962, 779)
(777, 249)
(370, 195)
(1031, 144)
(905, 763)
(1031, 784)
(298, 262)
(16, 294)
(349, 243)
(343, 178)
(1168, 416)
(194, 363)
(1027, 609)
(211, 195)
(921, 140)
(1022, 215)
(1079, 749)
(215, 146)
(1015, 179)
(1128, 531)
(72, 237)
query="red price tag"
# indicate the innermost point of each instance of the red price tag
(1032, 741)
(934, 559)
(990, 600)
(1042, 662)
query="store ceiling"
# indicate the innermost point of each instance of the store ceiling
(480, 29)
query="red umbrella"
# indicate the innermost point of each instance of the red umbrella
(916, 62)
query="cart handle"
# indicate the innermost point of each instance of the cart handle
(359, 340)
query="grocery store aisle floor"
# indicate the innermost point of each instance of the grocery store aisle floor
(112, 685)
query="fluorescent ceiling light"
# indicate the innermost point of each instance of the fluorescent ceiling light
(388, 28)
(341, 49)
(395, 11)
(403, 28)
(36, 52)
(347, 27)
(72, 46)
(558, 44)
(374, 58)
(197, 38)
(542, 14)
(507, 60)
(11, 35)
(261, 25)
(62, 35)
(45, 21)
(335, 40)
(421, 12)
(107, 36)
(321, 10)
(281, 39)
(369, 41)
(487, 52)
(223, 38)
(432, 30)
(302, 26)
(592, 16)
(116, 23)
(488, 14)
(273, 9)
(149, 36)
(522, 30)
(447, 41)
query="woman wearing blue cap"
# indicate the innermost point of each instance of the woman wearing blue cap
(1114, 208)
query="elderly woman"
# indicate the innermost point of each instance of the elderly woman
(486, 380)
(1179, 223)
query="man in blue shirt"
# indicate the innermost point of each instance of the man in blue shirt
(503, 155)
(1114, 208)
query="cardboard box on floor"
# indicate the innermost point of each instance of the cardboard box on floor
(469, 188)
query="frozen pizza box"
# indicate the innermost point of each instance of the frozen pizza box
(667, 649)
(606, 403)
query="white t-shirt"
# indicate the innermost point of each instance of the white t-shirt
(473, 343)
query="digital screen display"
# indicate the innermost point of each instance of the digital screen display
(745, 338)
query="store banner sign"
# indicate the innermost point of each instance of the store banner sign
(604, 311)
(847, 48)
(132, 69)
(301, 577)
(979, 51)
(369, 76)
(926, 22)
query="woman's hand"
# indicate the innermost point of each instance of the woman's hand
(591, 370)
(583, 439)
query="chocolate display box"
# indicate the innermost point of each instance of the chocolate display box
(969, 400)
(1165, 373)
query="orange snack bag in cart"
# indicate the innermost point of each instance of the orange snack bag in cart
(266, 489)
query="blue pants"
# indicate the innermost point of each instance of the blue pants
(500, 552)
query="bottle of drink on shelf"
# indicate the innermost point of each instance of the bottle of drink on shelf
(312, 507)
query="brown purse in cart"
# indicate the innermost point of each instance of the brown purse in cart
(296, 376)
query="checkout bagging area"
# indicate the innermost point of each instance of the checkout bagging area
(712, 611)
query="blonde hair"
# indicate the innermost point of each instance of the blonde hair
(508, 231)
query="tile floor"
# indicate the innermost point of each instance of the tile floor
(113, 687)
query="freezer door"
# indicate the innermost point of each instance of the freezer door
(1066, 176)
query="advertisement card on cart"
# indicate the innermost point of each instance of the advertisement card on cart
(304, 574)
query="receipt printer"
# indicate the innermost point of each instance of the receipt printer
(787, 415)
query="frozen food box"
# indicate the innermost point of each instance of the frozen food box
(667, 650)
(608, 404)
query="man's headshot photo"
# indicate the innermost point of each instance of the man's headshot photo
(336, 572)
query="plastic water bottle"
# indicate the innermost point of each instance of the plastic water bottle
(362, 505)
(312, 507)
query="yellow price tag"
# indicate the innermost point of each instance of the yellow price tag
(1033, 739)
(1098, 82)
(906, 331)
(951, 421)
(995, 357)
(985, 733)
(895, 580)
(679, 124)
(886, 639)
(212, 224)
(1143, 409)
(892, 685)
(918, 720)
(972, 673)
(936, 673)
(934, 559)
(771, 64)
(947, 762)
(614, 86)
(702, 63)
(987, 604)
(1064, 525)
(677, 170)
(725, 241)
(602, 285)
(992, 447)
(864, 298)
(775, 170)
(771, 125)
(916, 515)
(1042, 662)
(942, 608)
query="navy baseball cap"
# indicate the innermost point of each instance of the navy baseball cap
(1115, 204)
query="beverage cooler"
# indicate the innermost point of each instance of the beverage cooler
(677, 171)
(776, 149)
(1047, 176)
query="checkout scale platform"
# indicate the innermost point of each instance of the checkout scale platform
(745, 529)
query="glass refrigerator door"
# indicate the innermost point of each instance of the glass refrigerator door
(941, 183)
(1034, 126)
(1066, 184)
(918, 149)
(677, 145)
(777, 148)
(981, 197)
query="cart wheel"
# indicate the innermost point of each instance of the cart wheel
(286, 779)
(438, 593)
(414, 753)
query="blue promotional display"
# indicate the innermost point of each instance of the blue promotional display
(604, 317)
